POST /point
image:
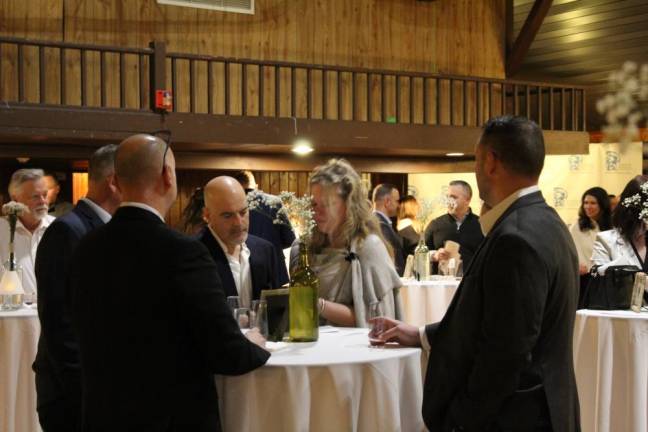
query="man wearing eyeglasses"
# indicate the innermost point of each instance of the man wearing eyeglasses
(150, 311)
(246, 264)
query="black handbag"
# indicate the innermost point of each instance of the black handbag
(613, 290)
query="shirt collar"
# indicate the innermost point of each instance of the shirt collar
(489, 219)
(44, 223)
(143, 207)
(100, 211)
(242, 249)
(383, 215)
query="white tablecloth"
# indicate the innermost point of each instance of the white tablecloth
(19, 331)
(426, 302)
(338, 383)
(611, 361)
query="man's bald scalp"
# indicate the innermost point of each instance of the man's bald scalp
(139, 159)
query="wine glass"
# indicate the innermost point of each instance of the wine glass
(260, 317)
(233, 302)
(378, 324)
(242, 316)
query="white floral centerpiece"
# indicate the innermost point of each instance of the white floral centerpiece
(639, 201)
(11, 291)
(626, 106)
(286, 208)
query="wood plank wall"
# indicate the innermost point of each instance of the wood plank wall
(461, 37)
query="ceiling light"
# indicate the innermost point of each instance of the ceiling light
(302, 146)
(454, 154)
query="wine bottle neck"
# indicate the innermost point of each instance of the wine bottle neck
(303, 256)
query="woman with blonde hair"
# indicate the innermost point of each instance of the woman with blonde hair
(408, 228)
(347, 250)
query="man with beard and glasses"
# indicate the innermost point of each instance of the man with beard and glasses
(28, 187)
(246, 264)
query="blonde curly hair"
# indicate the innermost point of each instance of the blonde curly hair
(338, 176)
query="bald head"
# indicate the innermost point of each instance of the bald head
(145, 173)
(139, 160)
(226, 210)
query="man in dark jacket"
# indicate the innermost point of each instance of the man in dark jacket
(460, 225)
(385, 200)
(246, 264)
(58, 380)
(150, 311)
(501, 358)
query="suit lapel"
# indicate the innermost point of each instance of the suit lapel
(256, 269)
(220, 259)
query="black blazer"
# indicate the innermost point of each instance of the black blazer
(263, 264)
(280, 235)
(410, 239)
(504, 346)
(57, 359)
(153, 328)
(394, 240)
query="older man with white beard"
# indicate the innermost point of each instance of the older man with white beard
(27, 186)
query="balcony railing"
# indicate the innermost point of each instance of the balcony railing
(69, 74)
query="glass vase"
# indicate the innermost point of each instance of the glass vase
(11, 292)
(421, 261)
(302, 299)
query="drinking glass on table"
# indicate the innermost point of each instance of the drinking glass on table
(259, 317)
(242, 316)
(233, 302)
(377, 326)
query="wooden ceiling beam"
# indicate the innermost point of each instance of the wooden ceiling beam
(528, 32)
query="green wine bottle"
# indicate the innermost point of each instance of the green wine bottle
(303, 297)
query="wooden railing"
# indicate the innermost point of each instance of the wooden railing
(60, 73)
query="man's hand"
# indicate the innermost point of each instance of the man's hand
(255, 337)
(441, 255)
(393, 331)
(582, 269)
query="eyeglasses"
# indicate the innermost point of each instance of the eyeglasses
(167, 141)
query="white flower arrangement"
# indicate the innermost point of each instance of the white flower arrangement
(290, 209)
(425, 212)
(13, 210)
(624, 107)
(640, 201)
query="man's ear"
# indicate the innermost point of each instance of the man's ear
(113, 185)
(167, 175)
(491, 163)
(205, 215)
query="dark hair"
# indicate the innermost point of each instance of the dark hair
(604, 218)
(382, 190)
(517, 142)
(466, 187)
(192, 219)
(243, 178)
(626, 219)
(102, 163)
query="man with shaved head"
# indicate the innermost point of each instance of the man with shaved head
(246, 264)
(150, 311)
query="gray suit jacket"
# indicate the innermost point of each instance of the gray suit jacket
(502, 355)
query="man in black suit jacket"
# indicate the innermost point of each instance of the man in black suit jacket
(501, 358)
(246, 264)
(150, 312)
(58, 381)
(385, 202)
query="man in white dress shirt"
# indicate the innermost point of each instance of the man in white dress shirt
(27, 186)
(246, 264)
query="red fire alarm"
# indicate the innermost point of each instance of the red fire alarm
(163, 100)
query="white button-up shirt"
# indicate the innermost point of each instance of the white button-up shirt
(239, 264)
(25, 246)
